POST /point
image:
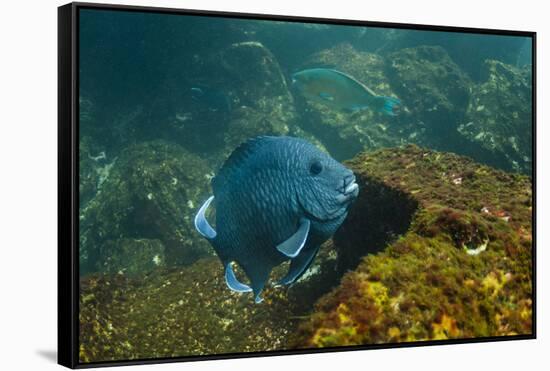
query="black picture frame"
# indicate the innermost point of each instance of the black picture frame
(68, 180)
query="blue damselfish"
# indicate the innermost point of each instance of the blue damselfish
(276, 198)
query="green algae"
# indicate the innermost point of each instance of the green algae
(178, 312)
(132, 256)
(189, 311)
(425, 285)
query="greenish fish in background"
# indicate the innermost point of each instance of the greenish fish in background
(340, 91)
(276, 199)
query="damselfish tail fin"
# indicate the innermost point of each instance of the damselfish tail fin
(388, 105)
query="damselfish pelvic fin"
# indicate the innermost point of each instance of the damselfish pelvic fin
(299, 266)
(201, 224)
(232, 282)
(294, 244)
(389, 105)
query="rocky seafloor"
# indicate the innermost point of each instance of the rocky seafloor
(436, 246)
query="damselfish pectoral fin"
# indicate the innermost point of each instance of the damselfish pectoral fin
(232, 282)
(294, 244)
(298, 266)
(201, 224)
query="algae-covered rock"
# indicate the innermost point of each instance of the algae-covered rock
(90, 165)
(151, 190)
(249, 79)
(189, 311)
(92, 153)
(132, 256)
(499, 116)
(365, 67)
(265, 105)
(462, 269)
(179, 312)
(433, 89)
(468, 50)
(343, 133)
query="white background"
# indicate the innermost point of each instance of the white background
(28, 154)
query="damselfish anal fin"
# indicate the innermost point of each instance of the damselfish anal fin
(201, 224)
(232, 282)
(294, 244)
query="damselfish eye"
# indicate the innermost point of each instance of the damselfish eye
(316, 167)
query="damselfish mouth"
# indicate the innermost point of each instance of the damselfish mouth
(351, 188)
(350, 191)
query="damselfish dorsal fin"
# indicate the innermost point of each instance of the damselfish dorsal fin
(201, 224)
(294, 244)
(237, 159)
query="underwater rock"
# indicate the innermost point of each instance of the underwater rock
(345, 134)
(249, 76)
(433, 89)
(132, 256)
(185, 311)
(92, 152)
(90, 169)
(297, 131)
(351, 242)
(499, 116)
(105, 133)
(265, 105)
(367, 68)
(188, 311)
(461, 269)
(151, 191)
(179, 312)
(256, 68)
(468, 51)
(320, 278)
